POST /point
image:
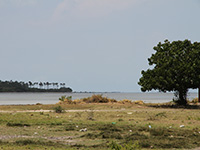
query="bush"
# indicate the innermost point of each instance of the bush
(139, 102)
(96, 99)
(125, 101)
(62, 98)
(65, 99)
(115, 146)
(59, 109)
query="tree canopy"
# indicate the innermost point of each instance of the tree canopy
(176, 67)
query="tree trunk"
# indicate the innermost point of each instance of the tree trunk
(199, 95)
(182, 97)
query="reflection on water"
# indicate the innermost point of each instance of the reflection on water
(52, 98)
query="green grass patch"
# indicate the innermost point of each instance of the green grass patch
(125, 125)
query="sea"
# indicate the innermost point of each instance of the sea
(52, 98)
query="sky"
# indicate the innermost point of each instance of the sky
(91, 45)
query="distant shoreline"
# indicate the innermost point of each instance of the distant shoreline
(15, 86)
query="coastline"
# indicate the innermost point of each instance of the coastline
(24, 98)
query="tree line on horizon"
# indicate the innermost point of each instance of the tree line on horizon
(15, 86)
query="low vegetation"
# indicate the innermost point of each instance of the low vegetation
(96, 99)
(103, 125)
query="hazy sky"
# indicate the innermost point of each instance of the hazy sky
(91, 45)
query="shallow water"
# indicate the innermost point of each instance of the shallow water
(52, 98)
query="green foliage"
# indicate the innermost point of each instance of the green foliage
(65, 99)
(62, 98)
(34, 142)
(14, 124)
(163, 134)
(114, 146)
(128, 146)
(111, 135)
(70, 128)
(58, 109)
(15, 86)
(176, 67)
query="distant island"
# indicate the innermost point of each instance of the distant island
(15, 86)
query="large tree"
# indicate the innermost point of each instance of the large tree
(175, 67)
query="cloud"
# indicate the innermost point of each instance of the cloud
(81, 10)
(17, 3)
(90, 8)
(62, 8)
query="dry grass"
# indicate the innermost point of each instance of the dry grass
(153, 126)
(120, 123)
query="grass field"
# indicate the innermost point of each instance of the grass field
(99, 126)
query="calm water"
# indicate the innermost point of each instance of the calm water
(52, 98)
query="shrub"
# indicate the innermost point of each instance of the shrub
(139, 102)
(62, 98)
(58, 109)
(120, 119)
(96, 99)
(125, 101)
(115, 146)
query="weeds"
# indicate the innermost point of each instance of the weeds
(58, 109)
(157, 116)
(36, 142)
(90, 115)
(128, 146)
(120, 126)
(97, 99)
(62, 98)
(65, 99)
(70, 127)
(14, 124)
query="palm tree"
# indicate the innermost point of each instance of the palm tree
(57, 85)
(41, 85)
(47, 83)
(36, 83)
(30, 84)
(44, 83)
(54, 84)
(63, 84)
